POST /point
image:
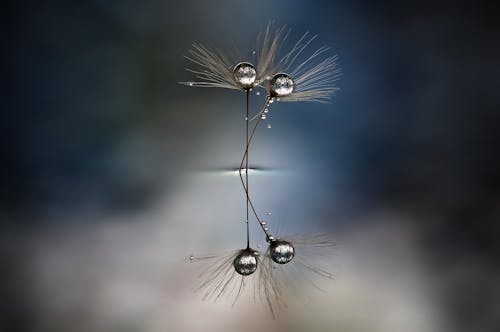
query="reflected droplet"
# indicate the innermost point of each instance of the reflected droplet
(245, 263)
(281, 251)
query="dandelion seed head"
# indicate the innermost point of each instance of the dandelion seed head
(245, 74)
(281, 251)
(281, 85)
(245, 263)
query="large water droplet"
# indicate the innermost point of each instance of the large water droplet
(281, 85)
(245, 74)
(245, 263)
(281, 251)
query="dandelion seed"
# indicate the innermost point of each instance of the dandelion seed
(311, 80)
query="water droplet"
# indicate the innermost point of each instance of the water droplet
(245, 74)
(271, 100)
(190, 83)
(246, 119)
(258, 93)
(266, 229)
(278, 99)
(263, 116)
(245, 262)
(266, 110)
(269, 126)
(281, 252)
(263, 222)
(191, 258)
(281, 85)
(254, 52)
(269, 213)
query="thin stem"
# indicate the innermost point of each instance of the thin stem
(245, 159)
(246, 167)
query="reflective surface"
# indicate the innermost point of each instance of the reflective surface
(245, 74)
(245, 262)
(281, 252)
(281, 85)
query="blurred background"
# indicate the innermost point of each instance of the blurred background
(112, 173)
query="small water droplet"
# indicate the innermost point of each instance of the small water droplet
(254, 52)
(263, 116)
(258, 93)
(263, 222)
(191, 258)
(266, 229)
(190, 83)
(277, 99)
(269, 126)
(266, 110)
(271, 100)
(246, 119)
(269, 213)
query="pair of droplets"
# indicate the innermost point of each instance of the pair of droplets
(286, 79)
(281, 84)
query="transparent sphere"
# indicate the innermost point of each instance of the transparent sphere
(245, 74)
(281, 85)
(246, 262)
(281, 251)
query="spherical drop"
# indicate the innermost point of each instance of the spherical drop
(245, 74)
(281, 252)
(245, 263)
(281, 85)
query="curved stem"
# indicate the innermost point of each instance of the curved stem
(245, 160)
